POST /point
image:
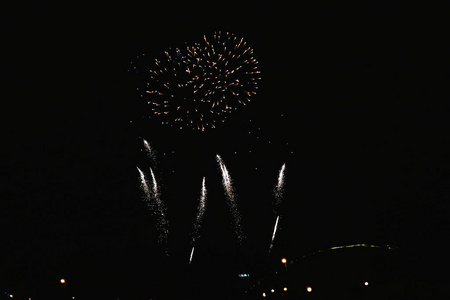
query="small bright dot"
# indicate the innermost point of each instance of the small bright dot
(285, 289)
(62, 280)
(10, 296)
(366, 283)
(272, 290)
(283, 260)
(263, 294)
(309, 289)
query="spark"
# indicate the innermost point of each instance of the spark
(229, 192)
(279, 189)
(273, 234)
(192, 254)
(199, 217)
(144, 185)
(150, 152)
(154, 202)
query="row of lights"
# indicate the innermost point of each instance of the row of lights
(308, 288)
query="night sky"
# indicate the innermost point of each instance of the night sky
(353, 99)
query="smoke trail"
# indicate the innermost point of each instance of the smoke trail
(199, 217)
(229, 192)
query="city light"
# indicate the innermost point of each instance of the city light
(11, 296)
(308, 289)
(263, 294)
(272, 290)
(285, 289)
(62, 281)
(283, 260)
(366, 283)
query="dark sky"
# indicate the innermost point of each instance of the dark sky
(353, 99)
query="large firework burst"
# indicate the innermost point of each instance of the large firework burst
(197, 86)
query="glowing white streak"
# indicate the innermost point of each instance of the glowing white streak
(279, 189)
(281, 177)
(192, 253)
(198, 219)
(273, 234)
(275, 228)
(155, 187)
(227, 184)
(144, 185)
(149, 150)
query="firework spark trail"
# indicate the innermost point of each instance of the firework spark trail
(199, 217)
(229, 191)
(144, 185)
(192, 254)
(279, 188)
(156, 207)
(150, 152)
(159, 204)
(273, 234)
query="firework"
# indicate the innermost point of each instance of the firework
(199, 217)
(279, 190)
(192, 254)
(273, 234)
(160, 211)
(144, 185)
(229, 192)
(151, 153)
(278, 193)
(196, 86)
(153, 201)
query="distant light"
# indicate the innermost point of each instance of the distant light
(10, 296)
(263, 294)
(283, 260)
(62, 280)
(272, 290)
(244, 275)
(366, 283)
(308, 289)
(285, 289)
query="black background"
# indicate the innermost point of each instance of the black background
(353, 99)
